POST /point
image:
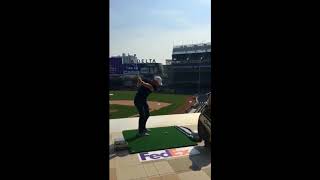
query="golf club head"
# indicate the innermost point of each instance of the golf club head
(196, 137)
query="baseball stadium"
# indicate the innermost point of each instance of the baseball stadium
(176, 140)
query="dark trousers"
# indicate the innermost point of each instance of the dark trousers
(144, 114)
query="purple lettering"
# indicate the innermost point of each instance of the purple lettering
(154, 156)
(165, 154)
(144, 155)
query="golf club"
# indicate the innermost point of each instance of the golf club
(137, 68)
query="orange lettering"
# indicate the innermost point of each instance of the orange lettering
(174, 152)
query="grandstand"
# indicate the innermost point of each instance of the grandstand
(192, 48)
(190, 69)
(201, 101)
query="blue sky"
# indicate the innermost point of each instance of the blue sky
(150, 28)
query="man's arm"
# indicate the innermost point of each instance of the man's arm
(147, 85)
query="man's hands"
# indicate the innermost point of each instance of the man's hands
(141, 83)
(139, 79)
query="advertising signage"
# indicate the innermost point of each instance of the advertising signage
(130, 69)
(144, 61)
(167, 154)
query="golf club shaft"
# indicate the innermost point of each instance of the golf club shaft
(137, 69)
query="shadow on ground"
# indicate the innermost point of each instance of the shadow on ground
(119, 153)
(200, 160)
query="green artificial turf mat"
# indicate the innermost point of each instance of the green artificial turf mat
(159, 138)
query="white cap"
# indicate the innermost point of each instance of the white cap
(158, 79)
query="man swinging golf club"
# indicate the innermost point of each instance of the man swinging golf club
(145, 88)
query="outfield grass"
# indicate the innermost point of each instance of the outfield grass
(122, 111)
(174, 100)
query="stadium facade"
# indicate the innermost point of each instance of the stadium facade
(190, 68)
(188, 72)
(115, 66)
(123, 70)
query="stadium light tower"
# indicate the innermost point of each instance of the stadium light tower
(199, 72)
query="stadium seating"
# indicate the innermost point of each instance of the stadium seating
(201, 101)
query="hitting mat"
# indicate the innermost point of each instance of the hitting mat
(159, 138)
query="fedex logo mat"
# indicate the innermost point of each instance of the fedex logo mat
(168, 153)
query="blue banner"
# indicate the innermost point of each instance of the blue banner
(131, 69)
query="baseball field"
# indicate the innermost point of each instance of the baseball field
(122, 106)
